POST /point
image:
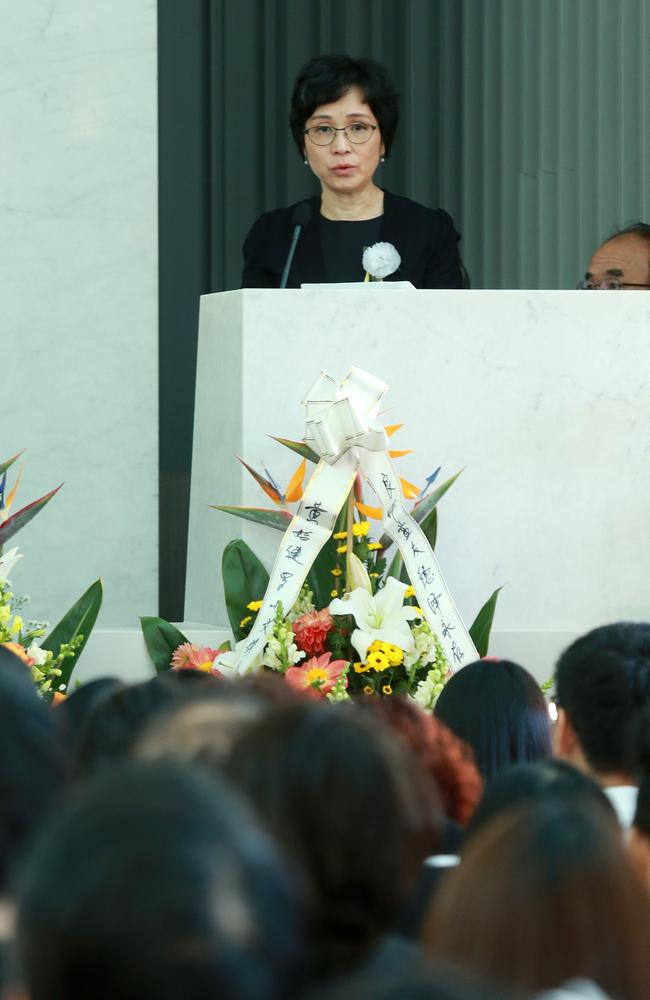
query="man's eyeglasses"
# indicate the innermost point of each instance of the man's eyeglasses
(324, 135)
(608, 285)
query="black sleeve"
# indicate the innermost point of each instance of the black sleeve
(257, 272)
(443, 268)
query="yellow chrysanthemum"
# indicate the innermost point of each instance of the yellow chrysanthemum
(254, 605)
(244, 622)
(395, 655)
(374, 546)
(336, 572)
(377, 660)
(368, 690)
(361, 529)
(341, 549)
(334, 593)
(387, 689)
(338, 535)
(376, 646)
(361, 668)
(409, 592)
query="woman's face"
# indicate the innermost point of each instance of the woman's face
(344, 167)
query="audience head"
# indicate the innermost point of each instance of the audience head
(325, 79)
(622, 261)
(73, 713)
(499, 710)
(543, 780)
(448, 760)
(639, 842)
(544, 894)
(154, 883)
(117, 721)
(344, 800)
(32, 763)
(603, 682)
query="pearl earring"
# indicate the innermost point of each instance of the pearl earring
(306, 162)
(383, 159)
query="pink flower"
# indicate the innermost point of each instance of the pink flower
(189, 657)
(311, 631)
(317, 676)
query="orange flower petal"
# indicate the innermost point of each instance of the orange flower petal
(373, 512)
(294, 489)
(392, 428)
(400, 454)
(10, 496)
(409, 490)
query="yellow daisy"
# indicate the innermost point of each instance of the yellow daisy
(377, 660)
(341, 549)
(336, 572)
(254, 605)
(368, 690)
(338, 535)
(244, 622)
(360, 668)
(373, 546)
(387, 689)
(334, 593)
(361, 529)
(409, 592)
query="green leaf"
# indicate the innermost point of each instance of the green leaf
(280, 519)
(482, 625)
(299, 447)
(225, 647)
(161, 639)
(9, 462)
(24, 516)
(423, 507)
(429, 526)
(79, 620)
(244, 580)
(395, 567)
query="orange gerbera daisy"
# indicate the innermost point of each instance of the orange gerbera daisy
(317, 676)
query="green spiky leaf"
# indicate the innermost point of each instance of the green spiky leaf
(161, 639)
(482, 624)
(245, 579)
(79, 620)
(300, 448)
(24, 516)
(279, 519)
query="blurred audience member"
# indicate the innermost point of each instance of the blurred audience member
(355, 811)
(524, 783)
(448, 760)
(545, 894)
(639, 842)
(155, 884)
(32, 775)
(603, 682)
(73, 713)
(499, 710)
(622, 261)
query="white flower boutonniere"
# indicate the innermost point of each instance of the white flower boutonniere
(380, 260)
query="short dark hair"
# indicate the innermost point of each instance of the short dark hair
(545, 893)
(499, 709)
(33, 766)
(154, 881)
(602, 682)
(342, 796)
(544, 779)
(641, 738)
(325, 79)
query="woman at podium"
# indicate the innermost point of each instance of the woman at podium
(343, 117)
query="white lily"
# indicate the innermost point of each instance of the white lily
(358, 574)
(229, 662)
(8, 561)
(383, 617)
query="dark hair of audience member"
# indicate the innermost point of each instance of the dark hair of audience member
(602, 682)
(72, 714)
(499, 710)
(113, 728)
(405, 983)
(351, 807)
(203, 730)
(154, 883)
(33, 764)
(639, 837)
(544, 894)
(448, 760)
(326, 78)
(532, 782)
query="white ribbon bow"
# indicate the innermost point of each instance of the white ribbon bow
(341, 428)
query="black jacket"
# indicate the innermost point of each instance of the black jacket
(425, 239)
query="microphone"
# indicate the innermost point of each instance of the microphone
(299, 219)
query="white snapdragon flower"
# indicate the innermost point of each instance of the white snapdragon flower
(8, 561)
(38, 655)
(380, 260)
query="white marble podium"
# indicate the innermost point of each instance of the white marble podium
(541, 398)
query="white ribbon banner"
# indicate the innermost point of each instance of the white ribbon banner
(342, 428)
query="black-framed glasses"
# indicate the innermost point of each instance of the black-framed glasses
(608, 285)
(324, 135)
